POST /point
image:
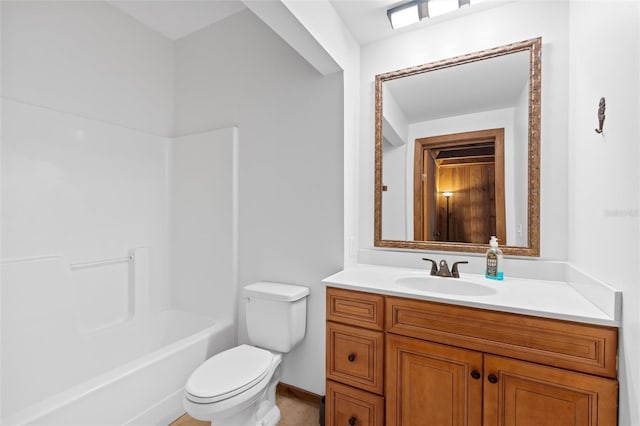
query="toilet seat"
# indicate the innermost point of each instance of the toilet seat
(228, 373)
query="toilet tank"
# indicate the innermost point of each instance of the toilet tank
(276, 314)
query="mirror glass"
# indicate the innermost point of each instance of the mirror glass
(457, 152)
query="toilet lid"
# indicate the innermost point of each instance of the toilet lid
(228, 373)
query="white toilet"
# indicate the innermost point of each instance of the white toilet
(237, 387)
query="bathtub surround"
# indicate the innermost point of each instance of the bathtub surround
(83, 144)
(62, 197)
(86, 316)
(204, 210)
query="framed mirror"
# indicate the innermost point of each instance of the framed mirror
(457, 153)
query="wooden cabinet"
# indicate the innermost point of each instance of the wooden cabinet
(574, 346)
(454, 365)
(355, 358)
(432, 384)
(526, 394)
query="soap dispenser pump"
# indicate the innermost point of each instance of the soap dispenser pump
(494, 260)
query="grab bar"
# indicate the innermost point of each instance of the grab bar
(83, 265)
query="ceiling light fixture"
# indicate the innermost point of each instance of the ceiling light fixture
(414, 11)
(440, 7)
(407, 13)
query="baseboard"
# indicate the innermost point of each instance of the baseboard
(298, 393)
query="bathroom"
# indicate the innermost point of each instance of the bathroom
(105, 156)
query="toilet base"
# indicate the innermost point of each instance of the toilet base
(268, 414)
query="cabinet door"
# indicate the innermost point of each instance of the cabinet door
(525, 394)
(431, 384)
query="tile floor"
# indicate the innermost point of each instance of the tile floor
(294, 412)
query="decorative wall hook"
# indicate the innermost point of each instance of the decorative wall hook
(601, 108)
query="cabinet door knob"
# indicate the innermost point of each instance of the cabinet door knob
(351, 358)
(475, 374)
(352, 420)
(492, 378)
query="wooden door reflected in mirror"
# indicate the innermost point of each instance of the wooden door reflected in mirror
(459, 187)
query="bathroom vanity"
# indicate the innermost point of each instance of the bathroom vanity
(473, 352)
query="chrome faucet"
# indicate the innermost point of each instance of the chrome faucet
(444, 268)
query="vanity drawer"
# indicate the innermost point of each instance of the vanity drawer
(348, 406)
(574, 346)
(355, 356)
(356, 308)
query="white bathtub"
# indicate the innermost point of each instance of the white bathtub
(133, 373)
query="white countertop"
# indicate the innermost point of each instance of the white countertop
(550, 299)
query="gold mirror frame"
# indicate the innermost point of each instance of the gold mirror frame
(534, 47)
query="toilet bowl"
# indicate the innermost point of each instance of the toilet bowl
(237, 387)
(244, 376)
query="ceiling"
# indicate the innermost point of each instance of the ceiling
(485, 85)
(366, 19)
(177, 18)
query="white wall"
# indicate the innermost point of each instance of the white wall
(395, 125)
(290, 119)
(203, 231)
(395, 134)
(605, 52)
(518, 21)
(520, 174)
(322, 21)
(394, 200)
(89, 59)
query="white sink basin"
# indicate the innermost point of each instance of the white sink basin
(454, 286)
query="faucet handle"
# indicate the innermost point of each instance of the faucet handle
(434, 267)
(454, 269)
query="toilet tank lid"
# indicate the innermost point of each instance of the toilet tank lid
(276, 291)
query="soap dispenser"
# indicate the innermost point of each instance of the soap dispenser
(494, 260)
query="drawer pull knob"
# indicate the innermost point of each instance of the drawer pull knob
(492, 378)
(475, 374)
(352, 420)
(351, 358)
